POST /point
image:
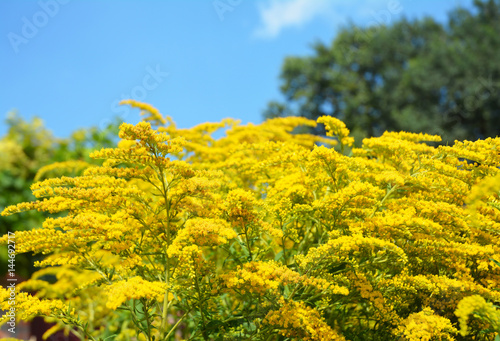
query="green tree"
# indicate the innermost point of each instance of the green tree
(414, 75)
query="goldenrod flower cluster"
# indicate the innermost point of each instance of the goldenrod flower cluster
(264, 234)
(296, 320)
(477, 306)
(149, 112)
(337, 128)
(134, 288)
(61, 168)
(425, 325)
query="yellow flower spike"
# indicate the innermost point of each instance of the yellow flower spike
(478, 307)
(486, 187)
(336, 128)
(201, 232)
(425, 325)
(149, 112)
(296, 320)
(135, 288)
(73, 166)
(260, 277)
(240, 206)
(126, 144)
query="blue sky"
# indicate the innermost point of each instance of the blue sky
(71, 61)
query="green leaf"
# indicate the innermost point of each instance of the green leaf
(498, 264)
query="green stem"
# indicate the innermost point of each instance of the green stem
(197, 284)
(167, 260)
(174, 327)
(383, 200)
(284, 250)
(247, 241)
(148, 321)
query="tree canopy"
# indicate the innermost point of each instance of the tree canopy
(412, 75)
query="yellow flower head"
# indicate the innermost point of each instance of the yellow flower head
(151, 113)
(337, 128)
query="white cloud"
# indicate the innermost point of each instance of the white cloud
(279, 14)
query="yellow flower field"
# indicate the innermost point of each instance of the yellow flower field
(264, 234)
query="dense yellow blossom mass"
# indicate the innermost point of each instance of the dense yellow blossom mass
(264, 234)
